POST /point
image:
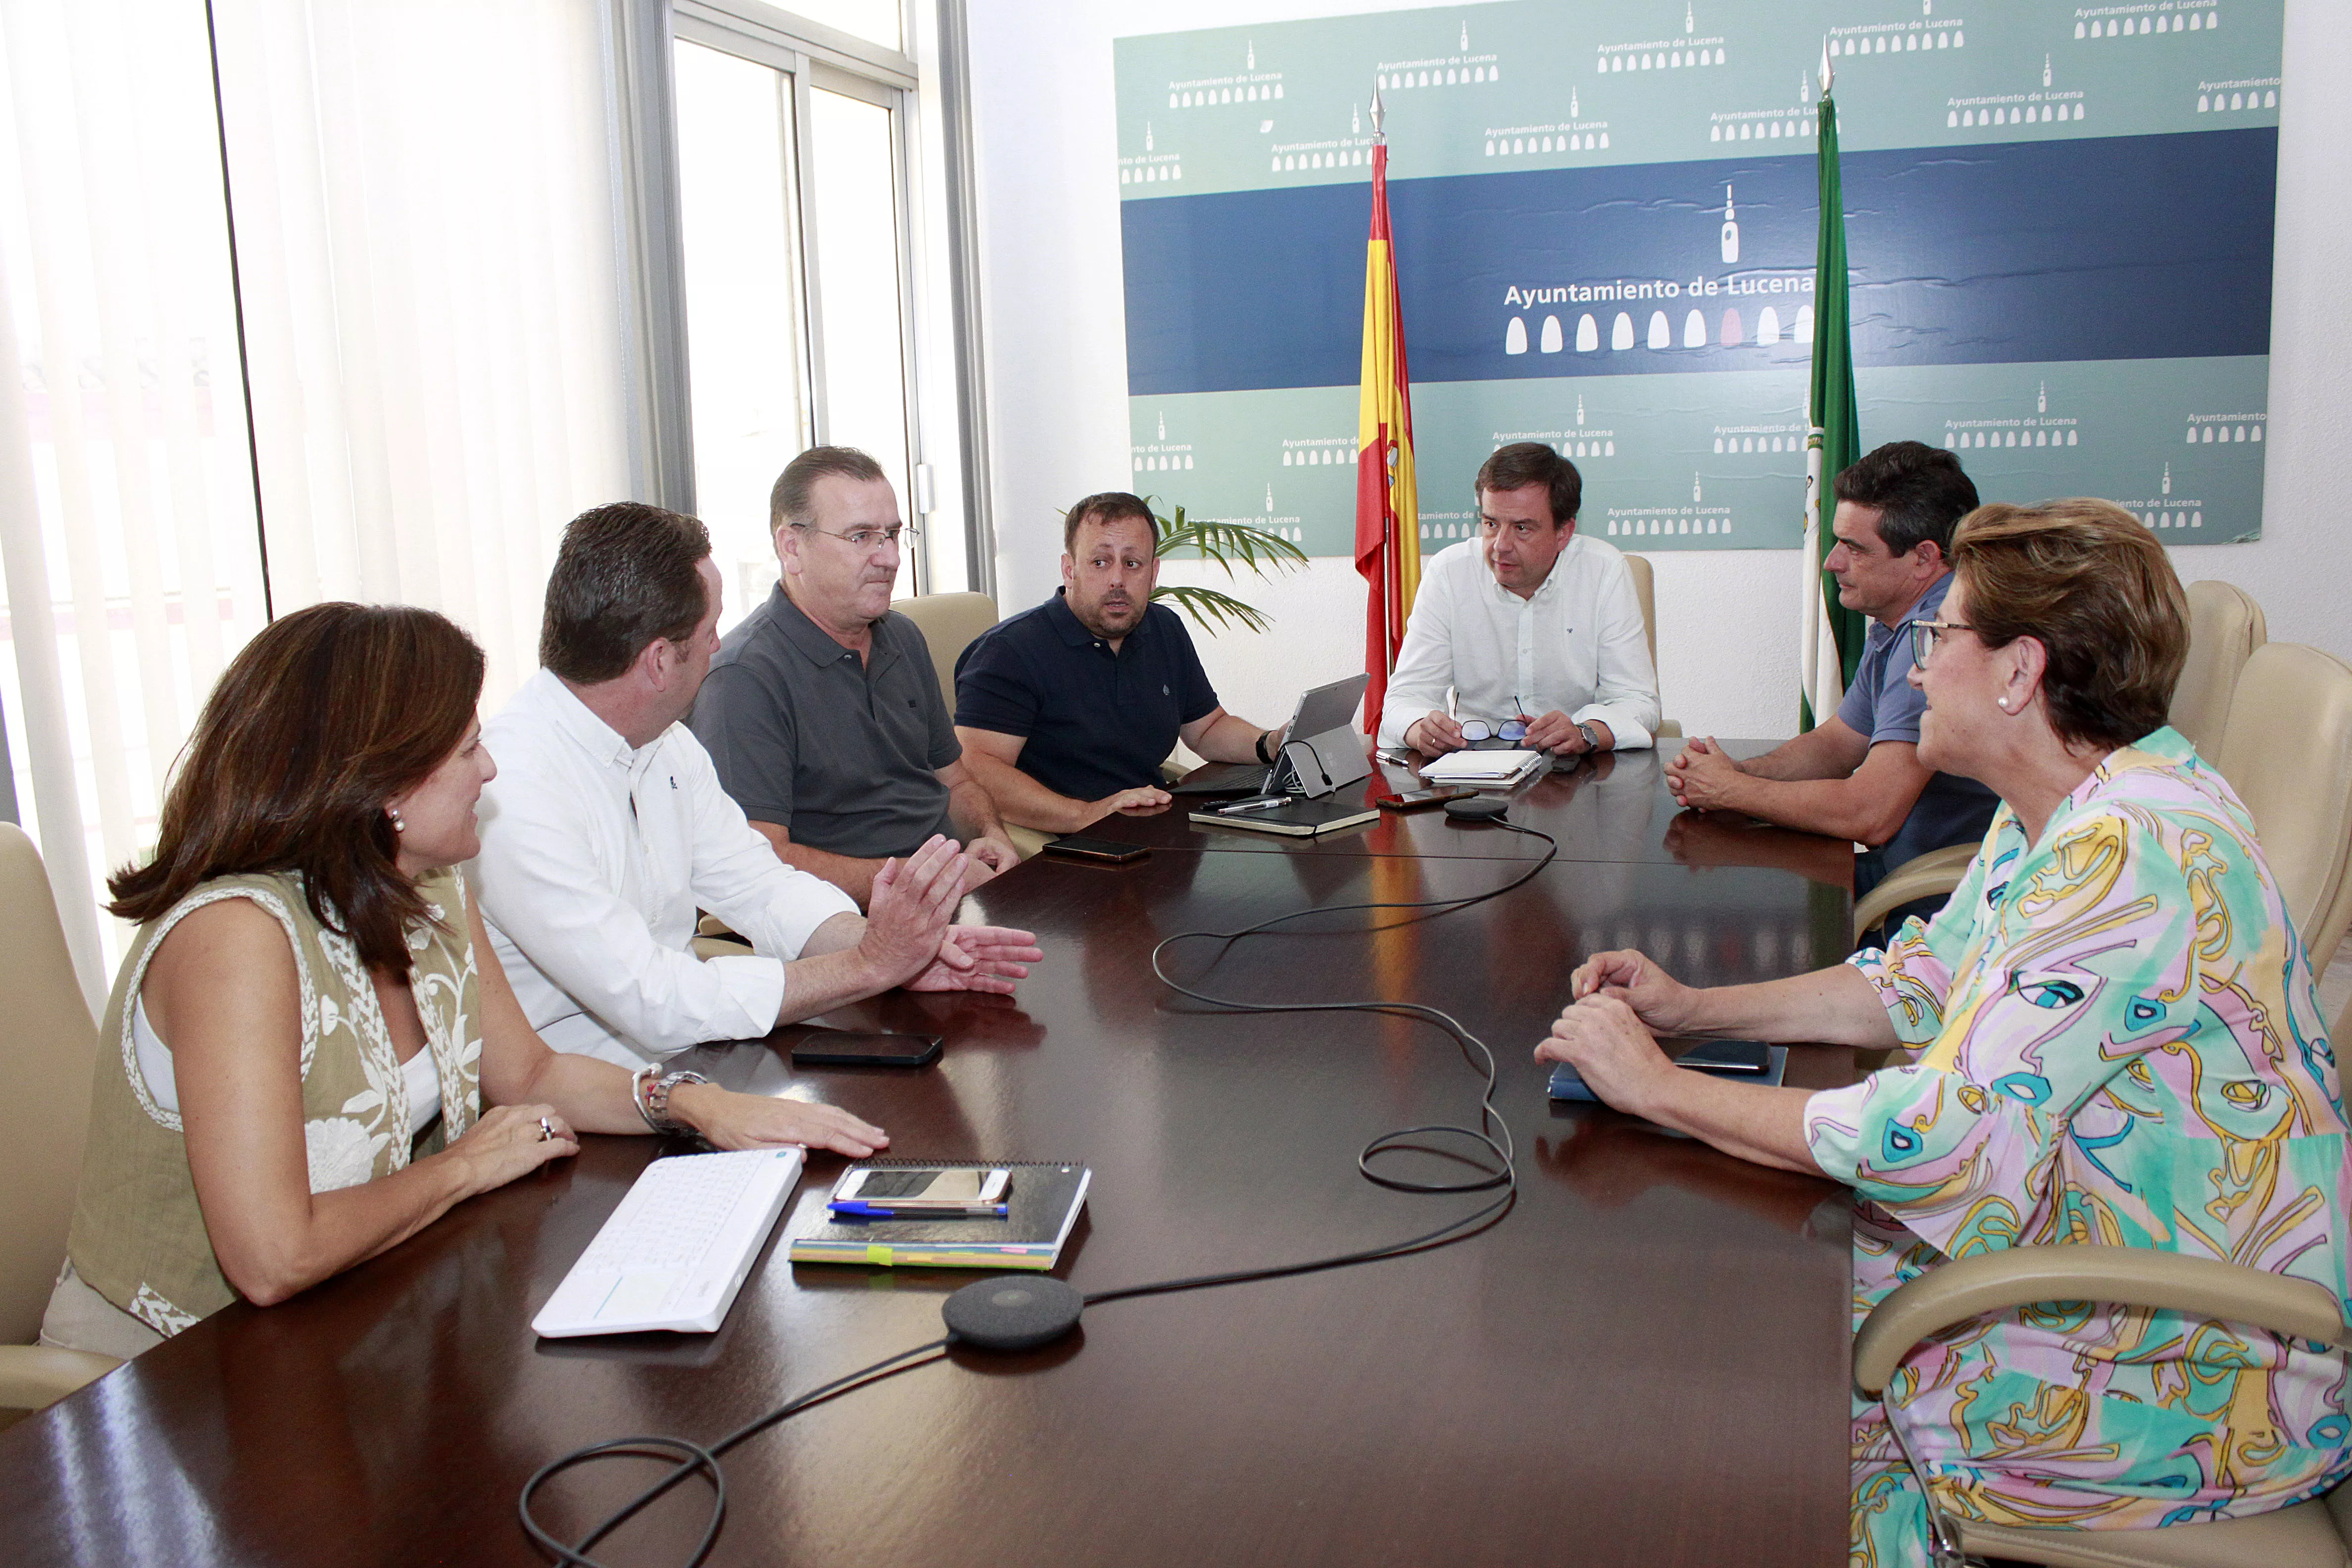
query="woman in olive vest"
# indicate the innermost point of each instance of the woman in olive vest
(292, 1071)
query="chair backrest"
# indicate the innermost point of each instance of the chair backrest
(1645, 590)
(950, 622)
(46, 1052)
(2288, 754)
(2225, 627)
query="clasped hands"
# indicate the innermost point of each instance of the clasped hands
(1436, 733)
(909, 940)
(1608, 1032)
(1702, 775)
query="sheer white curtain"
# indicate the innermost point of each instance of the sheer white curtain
(423, 197)
(424, 224)
(126, 510)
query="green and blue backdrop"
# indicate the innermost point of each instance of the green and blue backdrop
(2060, 220)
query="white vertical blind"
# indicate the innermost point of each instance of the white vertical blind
(423, 201)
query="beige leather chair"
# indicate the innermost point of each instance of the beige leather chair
(1645, 590)
(1937, 872)
(46, 1052)
(950, 622)
(2307, 1535)
(2225, 627)
(2287, 751)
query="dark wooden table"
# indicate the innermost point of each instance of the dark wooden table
(1644, 1363)
(1611, 807)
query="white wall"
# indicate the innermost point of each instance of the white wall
(1045, 136)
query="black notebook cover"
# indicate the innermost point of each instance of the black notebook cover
(1302, 819)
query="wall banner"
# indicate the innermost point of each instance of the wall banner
(2060, 220)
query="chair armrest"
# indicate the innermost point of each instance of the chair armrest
(33, 1377)
(1668, 730)
(1914, 880)
(2127, 1276)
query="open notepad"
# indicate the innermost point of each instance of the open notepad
(1485, 770)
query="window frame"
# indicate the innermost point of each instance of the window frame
(651, 237)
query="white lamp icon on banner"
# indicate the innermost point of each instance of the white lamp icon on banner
(1730, 229)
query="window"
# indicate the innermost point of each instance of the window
(794, 239)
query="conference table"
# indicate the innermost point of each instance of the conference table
(1644, 1362)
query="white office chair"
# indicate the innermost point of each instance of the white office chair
(2225, 627)
(1645, 590)
(48, 1052)
(949, 623)
(2288, 754)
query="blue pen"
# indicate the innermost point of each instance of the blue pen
(852, 1208)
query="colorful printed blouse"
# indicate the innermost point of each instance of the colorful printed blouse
(2119, 1044)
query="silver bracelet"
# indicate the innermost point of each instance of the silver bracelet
(650, 1088)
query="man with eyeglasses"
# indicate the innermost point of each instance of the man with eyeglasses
(1858, 774)
(821, 711)
(1533, 628)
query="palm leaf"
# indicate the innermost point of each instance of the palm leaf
(1211, 608)
(1230, 544)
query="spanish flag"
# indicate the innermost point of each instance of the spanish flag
(1388, 515)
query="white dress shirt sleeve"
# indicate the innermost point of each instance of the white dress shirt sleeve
(542, 889)
(1424, 666)
(737, 876)
(1626, 694)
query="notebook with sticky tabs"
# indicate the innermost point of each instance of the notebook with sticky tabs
(1042, 1204)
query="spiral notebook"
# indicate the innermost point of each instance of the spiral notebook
(1043, 1202)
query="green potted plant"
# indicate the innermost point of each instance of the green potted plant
(1228, 545)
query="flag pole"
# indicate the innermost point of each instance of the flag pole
(1832, 439)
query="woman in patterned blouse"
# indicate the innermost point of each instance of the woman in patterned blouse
(2113, 1038)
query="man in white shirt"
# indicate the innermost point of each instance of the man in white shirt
(1531, 623)
(605, 830)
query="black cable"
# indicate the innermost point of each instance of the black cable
(697, 1459)
(236, 304)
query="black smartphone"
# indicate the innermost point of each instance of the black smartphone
(1102, 851)
(1415, 799)
(1734, 1059)
(840, 1048)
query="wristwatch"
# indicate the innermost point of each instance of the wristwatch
(1263, 737)
(651, 1088)
(1591, 741)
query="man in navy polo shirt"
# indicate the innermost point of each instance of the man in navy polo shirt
(1066, 711)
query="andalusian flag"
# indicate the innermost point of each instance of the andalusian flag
(1388, 515)
(1832, 634)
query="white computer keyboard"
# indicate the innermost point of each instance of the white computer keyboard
(675, 1252)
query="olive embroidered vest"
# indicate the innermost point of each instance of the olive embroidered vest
(138, 1236)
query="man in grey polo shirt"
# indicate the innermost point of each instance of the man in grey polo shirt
(821, 712)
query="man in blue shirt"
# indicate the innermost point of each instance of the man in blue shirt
(1066, 710)
(1858, 776)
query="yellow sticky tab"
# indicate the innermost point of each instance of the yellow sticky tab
(878, 1254)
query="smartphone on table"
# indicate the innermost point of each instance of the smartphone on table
(841, 1049)
(1418, 799)
(1102, 851)
(919, 1192)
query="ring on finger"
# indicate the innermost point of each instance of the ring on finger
(546, 1129)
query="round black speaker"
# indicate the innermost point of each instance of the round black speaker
(1477, 808)
(1012, 1311)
